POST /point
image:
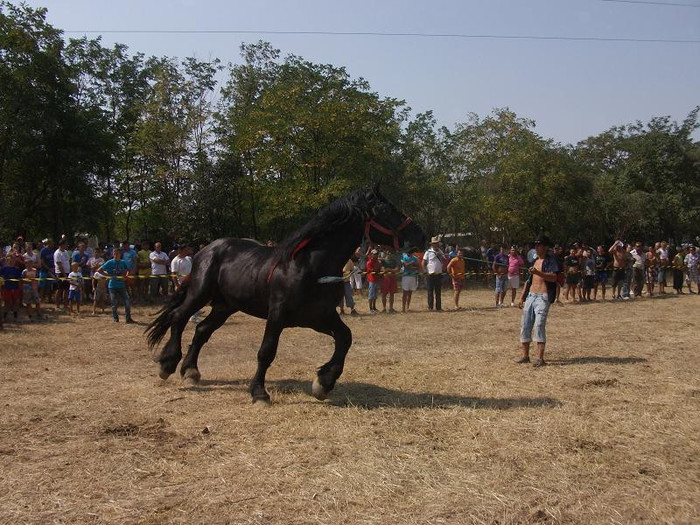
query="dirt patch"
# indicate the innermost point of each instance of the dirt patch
(601, 383)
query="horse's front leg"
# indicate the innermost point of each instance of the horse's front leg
(266, 355)
(328, 374)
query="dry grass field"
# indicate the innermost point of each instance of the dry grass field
(432, 422)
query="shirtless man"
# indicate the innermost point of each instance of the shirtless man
(539, 292)
(617, 250)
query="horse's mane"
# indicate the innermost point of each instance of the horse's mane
(338, 213)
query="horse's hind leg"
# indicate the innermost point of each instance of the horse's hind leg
(327, 375)
(216, 318)
(172, 351)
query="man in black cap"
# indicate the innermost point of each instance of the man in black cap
(539, 292)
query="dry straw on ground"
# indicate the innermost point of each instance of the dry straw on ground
(431, 422)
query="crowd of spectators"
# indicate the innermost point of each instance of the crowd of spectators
(630, 270)
(71, 275)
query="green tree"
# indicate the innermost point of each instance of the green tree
(510, 182)
(647, 177)
(47, 141)
(304, 133)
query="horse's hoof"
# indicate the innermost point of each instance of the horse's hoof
(318, 391)
(261, 402)
(163, 374)
(191, 377)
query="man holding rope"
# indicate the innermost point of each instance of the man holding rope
(539, 292)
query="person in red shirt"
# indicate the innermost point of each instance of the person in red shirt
(374, 279)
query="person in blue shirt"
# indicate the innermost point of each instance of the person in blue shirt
(81, 257)
(409, 279)
(129, 256)
(116, 270)
(46, 271)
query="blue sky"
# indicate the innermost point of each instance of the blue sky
(572, 89)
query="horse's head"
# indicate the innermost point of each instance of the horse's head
(388, 226)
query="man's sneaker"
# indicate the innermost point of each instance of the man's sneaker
(538, 363)
(116, 319)
(512, 304)
(130, 321)
(523, 360)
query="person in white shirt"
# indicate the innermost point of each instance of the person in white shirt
(61, 264)
(159, 271)
(662, 256)
(181, 266)
(640, 260)
(433, 261)
(181, 269)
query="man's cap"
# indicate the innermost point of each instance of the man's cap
(435, 240)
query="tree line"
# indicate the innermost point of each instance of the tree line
(117, 144)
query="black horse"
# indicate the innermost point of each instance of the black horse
(281, 284)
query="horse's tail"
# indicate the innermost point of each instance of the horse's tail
(159, 327)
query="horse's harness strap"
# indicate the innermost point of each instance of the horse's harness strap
(296, 249)
(299, 247)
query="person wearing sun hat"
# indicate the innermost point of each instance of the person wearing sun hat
(539, 291)
(433, 262)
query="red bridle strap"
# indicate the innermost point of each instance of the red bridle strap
(371, 223)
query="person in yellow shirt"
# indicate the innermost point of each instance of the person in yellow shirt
(144, 266)
(456, 268)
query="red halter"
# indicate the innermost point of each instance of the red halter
(371, 223)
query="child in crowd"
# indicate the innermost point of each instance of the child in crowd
(456, 268)
(374, 280)
(75, 291)
(31, 290)
(99, 286)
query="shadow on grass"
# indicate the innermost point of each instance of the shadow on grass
(369, 396)
(597, 360)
